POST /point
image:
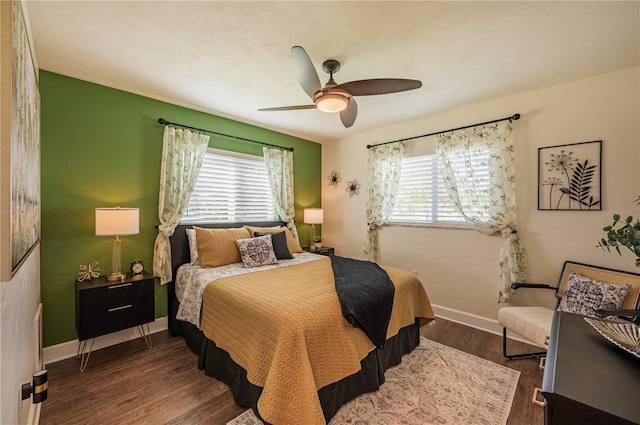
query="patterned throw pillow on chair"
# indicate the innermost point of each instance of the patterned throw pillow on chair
(584, 295)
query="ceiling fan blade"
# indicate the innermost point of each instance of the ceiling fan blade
(288, 108)
(304, 71)
(348, 115)
(378, 86)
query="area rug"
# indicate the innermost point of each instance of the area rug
(434, 384)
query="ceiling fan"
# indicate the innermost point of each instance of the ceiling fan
(335, 97)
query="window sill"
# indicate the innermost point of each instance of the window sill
(445, 226)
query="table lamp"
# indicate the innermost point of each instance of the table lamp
(117, 222)
(313, 216)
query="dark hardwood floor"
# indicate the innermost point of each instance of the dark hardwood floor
(130, 384)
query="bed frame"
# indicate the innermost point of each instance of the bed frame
(218, 364)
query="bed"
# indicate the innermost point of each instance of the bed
(277, 336)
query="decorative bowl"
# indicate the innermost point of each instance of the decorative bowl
(625, 335)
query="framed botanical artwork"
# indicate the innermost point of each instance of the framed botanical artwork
(569, 177)
(19, 143)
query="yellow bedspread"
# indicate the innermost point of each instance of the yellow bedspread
(285, 328)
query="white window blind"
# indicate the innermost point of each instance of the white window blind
(422, 196)
(231, 187)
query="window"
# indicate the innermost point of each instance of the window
(231, 187)
(422, 196)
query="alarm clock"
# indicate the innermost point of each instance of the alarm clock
(137, 266)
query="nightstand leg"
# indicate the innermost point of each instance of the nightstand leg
(83, 354)
(145, 335)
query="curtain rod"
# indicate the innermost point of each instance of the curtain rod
(165, 122)
(514, 117)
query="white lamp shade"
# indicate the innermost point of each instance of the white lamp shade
(117, 221)
(313, 215)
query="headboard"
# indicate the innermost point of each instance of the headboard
(180, 253)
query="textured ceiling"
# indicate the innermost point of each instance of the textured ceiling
(230, 58)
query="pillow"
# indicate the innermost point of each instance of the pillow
(217, 247)
(292, 243)
(279, 241)
(193, 246)
(257, 252)
(584, 295)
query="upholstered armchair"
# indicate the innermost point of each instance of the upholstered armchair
(582, 289)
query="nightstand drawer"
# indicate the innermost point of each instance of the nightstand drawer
(115, 295)
(93, 324)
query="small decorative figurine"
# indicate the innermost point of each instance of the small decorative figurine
(89, 271)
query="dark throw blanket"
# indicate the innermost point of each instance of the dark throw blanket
(366, 296)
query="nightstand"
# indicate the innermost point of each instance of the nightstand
(323, 250)
(104, 307)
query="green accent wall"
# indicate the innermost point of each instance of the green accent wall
(101, 147)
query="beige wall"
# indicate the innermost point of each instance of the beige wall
(459, 267)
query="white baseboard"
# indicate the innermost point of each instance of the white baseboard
(34, 414)
(473, 321)
(69, 349)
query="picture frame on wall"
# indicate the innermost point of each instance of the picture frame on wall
(570, 177)
(20, 144)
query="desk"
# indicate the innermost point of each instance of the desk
(587, 379)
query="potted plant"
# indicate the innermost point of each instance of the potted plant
(317, 241)
(623, 233)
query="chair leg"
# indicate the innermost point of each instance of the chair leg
(535, 355)
(536, 397)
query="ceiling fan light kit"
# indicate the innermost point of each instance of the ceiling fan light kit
(335, 97)
(331, 102)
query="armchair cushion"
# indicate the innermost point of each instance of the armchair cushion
(533, 323)
(584, 295)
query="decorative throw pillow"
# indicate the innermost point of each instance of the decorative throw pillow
(257, 252)
(292, 243)
(217, 247)
(193, 246)
(279, 241)
(584, 295)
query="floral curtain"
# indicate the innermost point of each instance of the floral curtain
(462, 153)
(280, 171)
(182, 154)
(384, 175)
